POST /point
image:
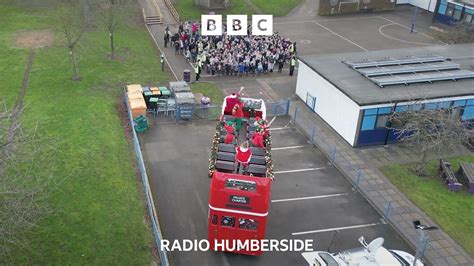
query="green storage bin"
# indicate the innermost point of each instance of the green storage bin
(165, 92)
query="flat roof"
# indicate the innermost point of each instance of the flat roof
(364, 92)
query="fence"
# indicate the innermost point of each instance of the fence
(146, 187)
(195, 113)
(172, 10)
(392, 213)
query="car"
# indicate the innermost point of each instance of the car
(369, 254)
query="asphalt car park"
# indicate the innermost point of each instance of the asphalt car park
(310, 198)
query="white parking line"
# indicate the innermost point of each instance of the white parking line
(287, 148)
(340, 36)
(299, 170)
(313, 197)
(334, 229)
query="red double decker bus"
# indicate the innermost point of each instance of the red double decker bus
(238, 210)
(239, 202)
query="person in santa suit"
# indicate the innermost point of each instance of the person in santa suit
(229, 129)
(242, 156)
(257, 139)
(238, 114)
(230, 102)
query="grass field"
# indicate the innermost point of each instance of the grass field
(277, 8)
(454, 212)
(189, 11)
(98, 216)
(210, 90)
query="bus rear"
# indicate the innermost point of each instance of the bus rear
(238, 210)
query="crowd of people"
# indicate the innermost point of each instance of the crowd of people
(231, 55)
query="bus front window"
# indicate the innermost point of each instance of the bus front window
(240, 184)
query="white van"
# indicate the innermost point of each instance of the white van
(369, 254)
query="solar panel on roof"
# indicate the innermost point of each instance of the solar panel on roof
(412, 68)
(425, 77)
(394, 61)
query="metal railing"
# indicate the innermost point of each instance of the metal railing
(392, 213)
(146, 188)
(177, 114)
(172, 10)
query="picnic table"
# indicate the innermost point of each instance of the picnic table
(466, 171)
(446, 172)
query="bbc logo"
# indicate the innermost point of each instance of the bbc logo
(236, 25)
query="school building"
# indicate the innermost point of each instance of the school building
(354, 93)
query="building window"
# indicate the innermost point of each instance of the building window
(450, 11)
(228, 221)
(459, 103)
(468, 113)
(467, 18)
(401, 109)
(375, 118)
(444, 105)
(431, 106)
(249, 224)
(416, 107)
(457, 14)
(382, 121)
(368, 123)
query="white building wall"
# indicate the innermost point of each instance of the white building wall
(338, 110)
(424, 4)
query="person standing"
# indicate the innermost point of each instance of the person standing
(242, 156)
(162, 61)
(292, 64)
(166, 37)
(197, 70)
(238, 114)
(280, 63)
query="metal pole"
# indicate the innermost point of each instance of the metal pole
(294, 116)
(357, 182)
(387, 211)
(421, 248)
(333, 154)
(287, 106)
(413, 21)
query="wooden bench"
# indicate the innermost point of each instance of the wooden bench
(446, 172)
(466, 171)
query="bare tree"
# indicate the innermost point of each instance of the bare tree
(430, 130)
(22, 194)
(463, 32)
(111, 14)
(87, 12)
(71, 25)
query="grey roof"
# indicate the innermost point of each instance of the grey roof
(364, 92)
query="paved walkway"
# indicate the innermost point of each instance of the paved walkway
(442, 249)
